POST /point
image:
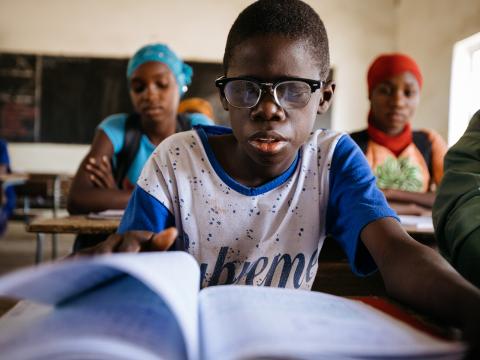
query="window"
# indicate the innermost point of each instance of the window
(465, 86)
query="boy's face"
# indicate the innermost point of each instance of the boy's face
(267, 133)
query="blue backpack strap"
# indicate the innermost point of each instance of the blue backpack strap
(133, 135)
(183, 123)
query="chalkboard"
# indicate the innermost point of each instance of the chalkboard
(18, 97)
(77, 93)
(63, 99)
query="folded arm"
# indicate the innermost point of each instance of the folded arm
(93, 187)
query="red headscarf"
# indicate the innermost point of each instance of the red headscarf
(384, 67)
(388, 65)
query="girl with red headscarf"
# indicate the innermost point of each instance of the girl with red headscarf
(408, 164)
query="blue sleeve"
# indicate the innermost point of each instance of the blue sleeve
(114, 127)
(10, 202)
(4, 158)
(144, 212)
(199, 119)
(354, 202)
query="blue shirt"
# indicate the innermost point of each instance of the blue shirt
(114, 127)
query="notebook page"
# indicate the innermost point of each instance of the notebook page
(243, 322)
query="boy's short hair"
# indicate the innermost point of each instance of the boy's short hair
(290, 18)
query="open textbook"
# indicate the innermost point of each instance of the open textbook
(148, 306)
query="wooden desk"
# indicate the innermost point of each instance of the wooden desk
(75, 224)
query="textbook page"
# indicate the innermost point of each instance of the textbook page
(122, 319)
(240, 322)
(173, 275)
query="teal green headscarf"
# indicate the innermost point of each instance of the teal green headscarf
(162, 53)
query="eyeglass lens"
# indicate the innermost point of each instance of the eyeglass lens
(288, 94)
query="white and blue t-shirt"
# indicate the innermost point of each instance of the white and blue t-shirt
(269, 235)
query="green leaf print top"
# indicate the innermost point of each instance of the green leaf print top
(400, 174)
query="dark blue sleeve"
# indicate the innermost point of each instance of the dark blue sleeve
(144, 212)
(10, 203)
(354, 202)
(4, 158)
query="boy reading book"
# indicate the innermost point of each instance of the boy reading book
(253, 204)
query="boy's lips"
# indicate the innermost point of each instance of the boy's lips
(267, 142)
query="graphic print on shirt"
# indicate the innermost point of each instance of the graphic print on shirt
(268, 235)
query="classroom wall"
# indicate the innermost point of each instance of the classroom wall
(197, 30)
(428, 30)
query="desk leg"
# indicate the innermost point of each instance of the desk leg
(54, 246)
(39, 251)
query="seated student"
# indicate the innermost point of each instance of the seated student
(196, 105)
(157, 78)
(8, 194)
(408, 164)
(254, 203)
(456, 212)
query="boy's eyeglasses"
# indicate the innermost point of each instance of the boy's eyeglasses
(289, 93)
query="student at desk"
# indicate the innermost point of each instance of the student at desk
(157, 78)
(254, 203)
(8, 194)
(408, 163)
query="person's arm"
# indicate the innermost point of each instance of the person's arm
(360, 220)
(425, 200)
(144, 212)
(91, 191)
(410, 203)
(457, 228)
(417, 275)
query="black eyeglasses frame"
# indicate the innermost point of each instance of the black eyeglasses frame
(222, 81)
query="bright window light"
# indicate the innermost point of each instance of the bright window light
(465, 86)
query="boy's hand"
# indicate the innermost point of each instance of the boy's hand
(101, 173)
(133, 241)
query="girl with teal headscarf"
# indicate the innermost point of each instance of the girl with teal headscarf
(157, 79)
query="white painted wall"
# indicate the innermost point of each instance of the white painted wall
(46, 157)
(197, 30)
(428, 30)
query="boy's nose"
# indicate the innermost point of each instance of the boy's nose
(267, 109)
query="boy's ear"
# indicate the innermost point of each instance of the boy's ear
(223, 100)
(327, 95)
